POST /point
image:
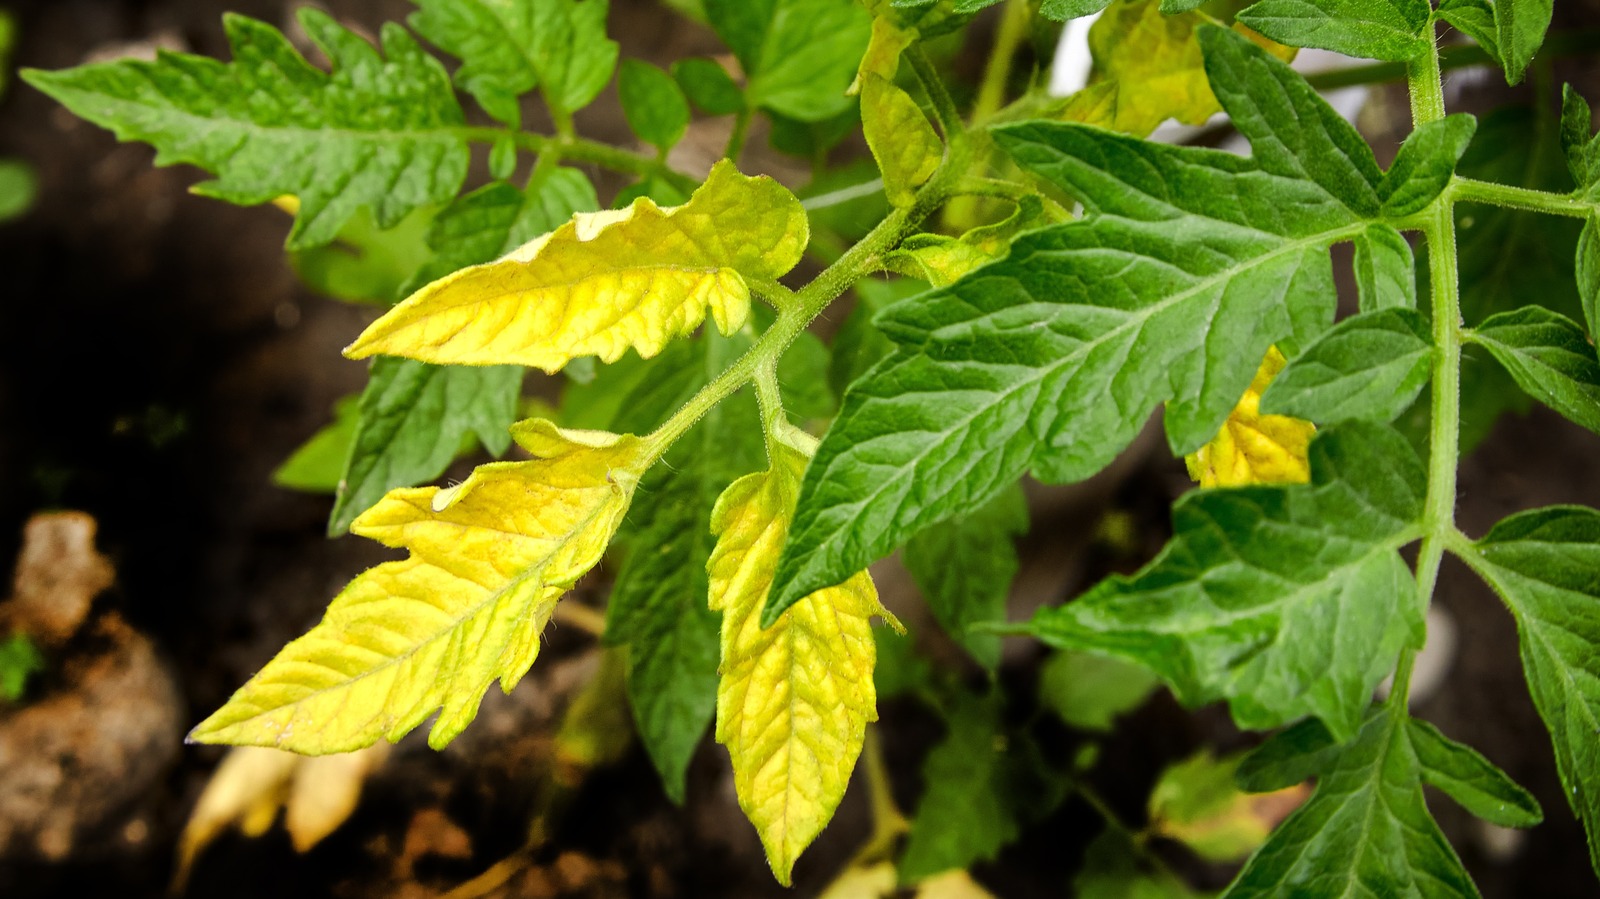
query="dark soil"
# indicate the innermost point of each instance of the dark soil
(161, 360)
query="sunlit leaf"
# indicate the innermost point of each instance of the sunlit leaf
(605, 282)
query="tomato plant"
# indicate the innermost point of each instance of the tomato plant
(1060, 277)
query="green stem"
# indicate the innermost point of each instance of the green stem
(1460, 56)
(1472, 191)
(736, 139)
(581, 149)
(944, 108)
(997, 71)
(1438, 517)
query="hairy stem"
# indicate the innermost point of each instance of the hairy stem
(1439, 228)
(1569, 43)
(1469, 190)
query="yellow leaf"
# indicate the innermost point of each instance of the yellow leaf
(794, 699)
(952, 885)
(1253, 448)
(1148, 68)
(489, 559)
(605, 281)
(874, 881)
(252, 783)
(1197, 803)
(889, 39)
(906, 147)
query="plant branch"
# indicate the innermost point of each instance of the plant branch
(736, 138)
(582, 149)
(997, 70)
(1568, 43)
(1487, 192)
(944, 108)
(1444, 429)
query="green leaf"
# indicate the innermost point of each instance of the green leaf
(1579, 141)
(1549, 357)
(653, 104)
(901, 138)
(366, 263)
(1370, 365)
(1587, 271)
(1291, 756)
(1285, 601)
(1062, 10)
(1425, 163)
(1395, 30)
(19, 187)
(1386, 272)
(984, 785)
(413, 418)
(1519, 32)
(1199, 803)
(1472, 780)
(798, 55)
(1365, 832)
(1090, 691)
(19, 661)
(378, 131)
(509, 47)
(1543, 564)
(813, 140)
(1182, 274)
(708, 85)
(1111, 870)
(859, 344)
(964, 568)
(1475, 19)
(803, 376)
(658, 605)
(319, 464)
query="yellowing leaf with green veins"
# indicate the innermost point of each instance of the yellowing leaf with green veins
(1253, 448)
(1147, 69)
(605, 281)
(489, 559)
(794, 699)
(902, 140)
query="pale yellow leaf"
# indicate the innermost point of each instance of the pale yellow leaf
(431, 632)
(1253, 448)
(253, 783)
(1148, 68)
(889, 39)
(902, 140)
(874, 881)
(794, 699)
(1198, 803)
(605, 281)
(952, 885)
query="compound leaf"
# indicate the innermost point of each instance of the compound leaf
(1285, 601)
(1519, 32)
(1395, 30)
(1472, 780)
(414, 417)
(1366, 832)
(658, 604)
(964, 569)
(1370, 365)
(1543, 563)
(509, 47)
(1183, 273)
(653, 103)
(605, 281)
(1550, 357)
(489, 560)
(984, 784)
(1425, 164)
(798, 56)
(377, 131)
(795, 697)
(1148, 67)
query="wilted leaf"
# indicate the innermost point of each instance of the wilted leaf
(1253, 448)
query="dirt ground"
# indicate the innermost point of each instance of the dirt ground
(162, 359)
